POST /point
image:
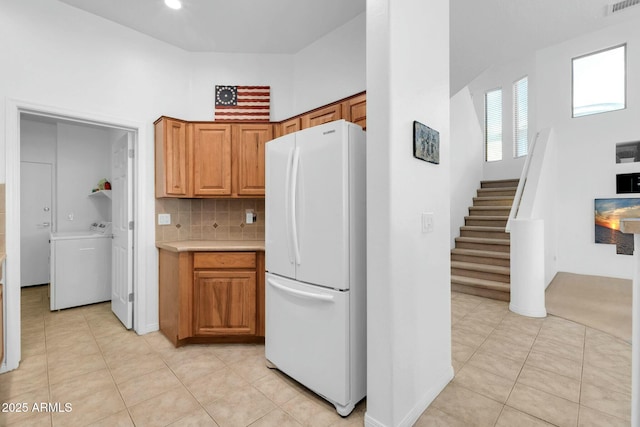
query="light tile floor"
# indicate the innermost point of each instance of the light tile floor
(510, 371)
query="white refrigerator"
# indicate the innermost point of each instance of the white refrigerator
(315, 241)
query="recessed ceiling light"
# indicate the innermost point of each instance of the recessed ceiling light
(173, 4)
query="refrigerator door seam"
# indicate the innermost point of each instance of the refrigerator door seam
(287, 206)
(294, 188)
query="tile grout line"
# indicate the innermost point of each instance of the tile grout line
(520, 373)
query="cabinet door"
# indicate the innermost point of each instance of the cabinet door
(323, 115)
(211, 159)
(224, 302)
(172, 154)
(355, 110)
(289, 126)
(248, 162)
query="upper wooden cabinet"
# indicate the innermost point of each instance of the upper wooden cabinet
(354, 110)
(289, 126)
(322, 115)
(249, 142)
(206, 159)
(211, 159)
(172, 158)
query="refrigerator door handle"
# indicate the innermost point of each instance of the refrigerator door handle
(287, 202)
(302, 294)
(294, 188)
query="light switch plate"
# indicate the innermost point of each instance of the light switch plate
(427, 222)
(164, 219)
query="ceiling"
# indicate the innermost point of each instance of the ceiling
(243, 26)
(482, 32)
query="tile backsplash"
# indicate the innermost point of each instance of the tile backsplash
(209, 219)
(3, 216)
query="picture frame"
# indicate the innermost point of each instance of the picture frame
(608, 213)
(426, 143)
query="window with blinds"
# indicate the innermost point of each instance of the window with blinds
(493, 125)
(599, 82)
(521, 117)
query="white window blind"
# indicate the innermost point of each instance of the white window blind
(599, 82)
(493, 125)
(521, 117)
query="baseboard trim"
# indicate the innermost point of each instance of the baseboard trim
(527, 311)
(422, 404)
(369, 421)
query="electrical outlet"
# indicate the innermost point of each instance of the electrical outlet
(164, 219)
(250, 216)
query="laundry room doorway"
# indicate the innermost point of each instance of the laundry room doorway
(76, 212)
(141, 254)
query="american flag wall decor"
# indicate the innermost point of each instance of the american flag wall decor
(242, 103)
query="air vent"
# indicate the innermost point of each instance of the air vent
(620, 6)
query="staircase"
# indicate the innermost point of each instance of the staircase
(480, 261)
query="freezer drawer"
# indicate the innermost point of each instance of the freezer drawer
(307, 336)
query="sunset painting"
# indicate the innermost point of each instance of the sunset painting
(608, 213)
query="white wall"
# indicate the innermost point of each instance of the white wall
(408, 273)
(467, 162)
(211, 69)
(83, 158)
(331, 68)
(38, 141)
(586, 149)
(504, 76)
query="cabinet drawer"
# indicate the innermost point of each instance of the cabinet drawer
(224, 260)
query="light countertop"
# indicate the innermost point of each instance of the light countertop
(212, 245)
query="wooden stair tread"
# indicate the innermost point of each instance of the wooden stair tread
(476, 252)
(486, 268)
(499, 181)
(481, 228)
(485, 240)
(490, 208)
(481, 283)
(497, 189)
(493, 198)
(487, 217)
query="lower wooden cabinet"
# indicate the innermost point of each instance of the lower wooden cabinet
(212, 296)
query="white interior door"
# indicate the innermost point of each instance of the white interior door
(35, 222)
(122, 247)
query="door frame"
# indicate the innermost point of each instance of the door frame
(145, 257)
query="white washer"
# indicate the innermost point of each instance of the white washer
(80, 268)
